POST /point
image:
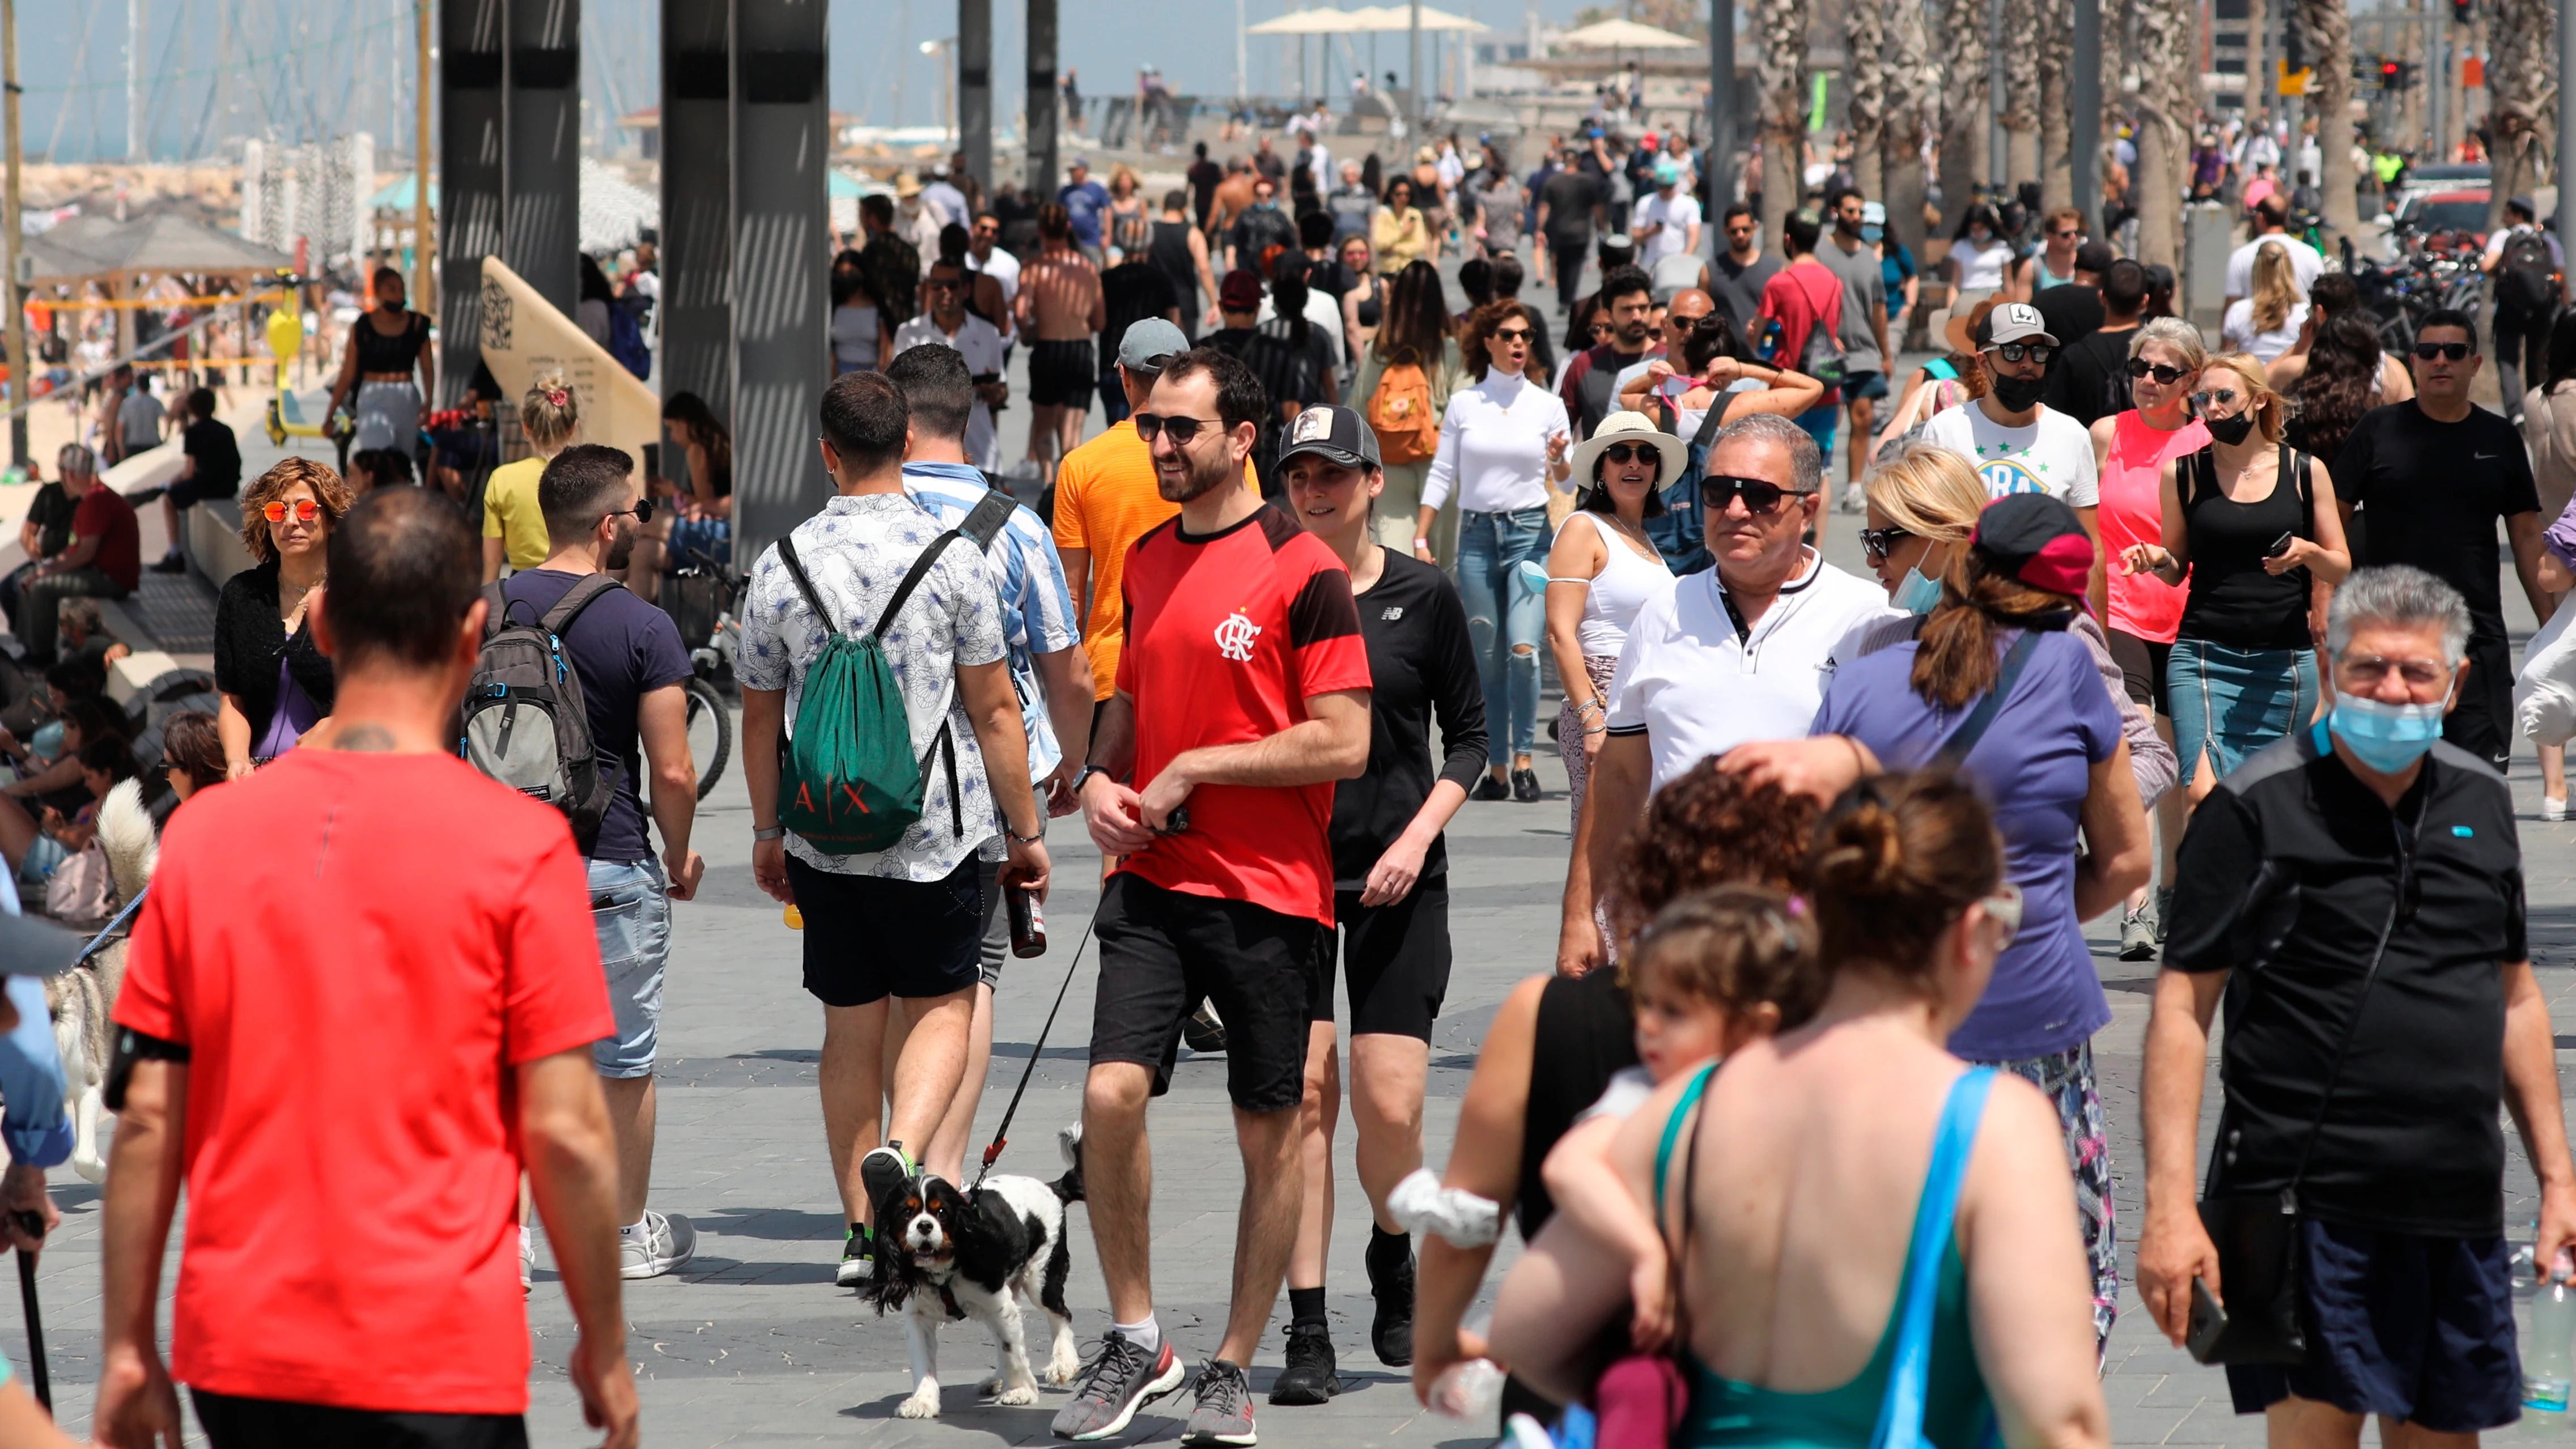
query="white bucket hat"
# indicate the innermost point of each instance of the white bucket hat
(1630, 427)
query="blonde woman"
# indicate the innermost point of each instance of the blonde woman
(514, 531)
(2267, 323)
(274, 684)
(2254, 525)
(1129, 225)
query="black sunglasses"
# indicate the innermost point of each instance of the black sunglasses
(2038, 352)
(2139, 367)
(1149, 426)
(1632, 452)
(2454, 351)
(1760, 496)
(643, 510)
(1875, 543)
(1511, 334)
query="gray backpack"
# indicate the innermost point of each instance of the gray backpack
(523, 722)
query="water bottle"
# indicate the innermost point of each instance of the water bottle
(2545, 1350)
(1468, 1390)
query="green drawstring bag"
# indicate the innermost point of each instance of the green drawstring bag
(848, 783)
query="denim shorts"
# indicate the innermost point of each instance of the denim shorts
(630, 907)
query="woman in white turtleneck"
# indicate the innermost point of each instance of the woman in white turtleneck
(1503, 442)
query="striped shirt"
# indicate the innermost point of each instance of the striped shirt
(1037, 608)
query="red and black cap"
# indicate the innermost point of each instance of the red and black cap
(2038, 540)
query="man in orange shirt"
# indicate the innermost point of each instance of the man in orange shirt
(1105, 499)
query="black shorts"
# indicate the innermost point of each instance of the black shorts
(183, 492)
(1162, 952)
(232, 1422)
(2415, 1328)
(2142, 669)
(869, 937)
(1061, 374)
(2482, 722)
(1397, 958)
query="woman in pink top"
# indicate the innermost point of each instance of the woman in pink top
(2130, 450)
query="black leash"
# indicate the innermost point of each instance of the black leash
(34, 1226)
(1001, 1135)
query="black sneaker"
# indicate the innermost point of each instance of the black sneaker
(172, 562)
(1525, 785)
(858, 1259)
(1390, 1272)
(1119, 1380)
(1308, 1378)
(885, 1172)
(1224, 1414)
(1490, 788)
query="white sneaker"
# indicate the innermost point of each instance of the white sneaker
(2553, 809)
(1855, 499)
(527, 1261)
(658, 1245)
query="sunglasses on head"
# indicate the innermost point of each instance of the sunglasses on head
(1877, 543)
(305, 509)
(2451, 351)
(2139, 367)
(2038, 352)
(1632, 453)
(1760, 495)
(1150, 426)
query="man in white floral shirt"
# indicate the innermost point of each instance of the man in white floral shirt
(896, 929)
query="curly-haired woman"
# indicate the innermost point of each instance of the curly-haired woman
(275, 684)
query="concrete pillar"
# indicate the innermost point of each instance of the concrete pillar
(782, 308)
(473, 61)
(2084, 100)
(541, 214)
(975, 90)
(1042, 177)
(697, 204)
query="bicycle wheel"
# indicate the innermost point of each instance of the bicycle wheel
(710, 733)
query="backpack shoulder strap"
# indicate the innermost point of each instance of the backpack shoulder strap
(1954, 750)
(575, 599)
(496, 611)
(991, 514)
(913, 576)
(804, 585)
(1709, 424)
(2294, 466)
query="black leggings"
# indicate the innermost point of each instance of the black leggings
(1569, 272)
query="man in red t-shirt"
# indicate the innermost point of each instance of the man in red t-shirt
(361, 1003)
(1242, 696)
(104, 557)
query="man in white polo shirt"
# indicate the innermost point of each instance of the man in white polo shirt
(1739, 653)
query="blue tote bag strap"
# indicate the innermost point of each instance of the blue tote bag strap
(1900, 1414)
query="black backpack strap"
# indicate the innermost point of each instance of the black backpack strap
(575, 599)
(1709, 425)
(913, 576)
(985, 524)
(804, 585)
(2294, 466)
(1954, 750)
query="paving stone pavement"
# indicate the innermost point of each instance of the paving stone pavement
(752, 1345)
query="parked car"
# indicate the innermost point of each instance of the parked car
(2441, 220)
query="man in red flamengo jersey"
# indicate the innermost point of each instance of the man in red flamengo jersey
(361, 1003)
(1243, 694)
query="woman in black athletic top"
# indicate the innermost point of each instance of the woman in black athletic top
(386, 346)
(1390, 884)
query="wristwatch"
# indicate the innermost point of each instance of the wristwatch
(772, 833)
(1084, 778)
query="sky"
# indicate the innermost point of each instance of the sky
(301, 70)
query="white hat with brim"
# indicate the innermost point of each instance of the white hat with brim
(1630, 427)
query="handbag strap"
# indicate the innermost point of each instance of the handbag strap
(1954, 750)
(1900, 1412)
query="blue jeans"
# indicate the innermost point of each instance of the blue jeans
(631, 909)
(1491, 548)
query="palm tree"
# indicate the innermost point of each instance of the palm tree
(1781, 78)
(2328, 28)
(2521, 42)
(2167, 102)
(2056, 66)
(1912, 81)
(2021, 91)
(1963, 105)
(1867, 79)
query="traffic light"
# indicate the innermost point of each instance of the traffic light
(2462, 11)
(2392, 74)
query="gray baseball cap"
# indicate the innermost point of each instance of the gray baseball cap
(1149, 344)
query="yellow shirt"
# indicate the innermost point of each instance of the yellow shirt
(1105, 500)
(510, 512)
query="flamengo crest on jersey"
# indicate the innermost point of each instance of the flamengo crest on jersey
(1235, 636)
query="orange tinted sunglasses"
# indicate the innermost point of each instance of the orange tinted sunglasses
(306, 510)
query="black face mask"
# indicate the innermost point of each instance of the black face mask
(2230, 431)
(2018, 394)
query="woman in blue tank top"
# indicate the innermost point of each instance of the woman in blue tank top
(1870, 1229)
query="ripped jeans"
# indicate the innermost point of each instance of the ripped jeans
(1497, 590)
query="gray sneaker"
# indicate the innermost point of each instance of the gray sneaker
(2138, 933)
(1224, 1414)
(1119, 1380)
(663, 1244)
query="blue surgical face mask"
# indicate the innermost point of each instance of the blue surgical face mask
(1872, 233)
(2386, 737)
(1917, 594)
